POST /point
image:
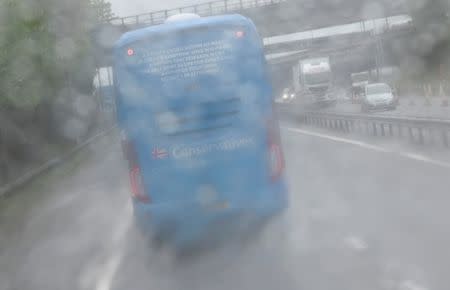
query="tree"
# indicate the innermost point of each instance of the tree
(46, 45)
(431, 41)
(102, 10)
(46, 50)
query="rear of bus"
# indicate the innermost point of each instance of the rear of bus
(195, 106)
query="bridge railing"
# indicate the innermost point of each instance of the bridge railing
(202, 9)
(423, 131)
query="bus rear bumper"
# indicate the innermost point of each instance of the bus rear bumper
(183, 225)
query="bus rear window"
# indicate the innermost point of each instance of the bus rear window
(178, 69)
(184, 56)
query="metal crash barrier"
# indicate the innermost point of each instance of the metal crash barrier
(423, 131)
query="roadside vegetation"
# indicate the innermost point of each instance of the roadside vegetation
(46, 73)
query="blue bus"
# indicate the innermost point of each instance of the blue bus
(195, 106)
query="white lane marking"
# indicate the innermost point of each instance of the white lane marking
(425, 159)
(104, 281)
(338, 139)
(106, 276)
(408, 155)
(411, 285)
(356, 243)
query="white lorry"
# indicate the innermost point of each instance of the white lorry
(313, 82)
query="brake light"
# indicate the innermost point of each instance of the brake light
(276, 156)
(137, 187)
(240, 34)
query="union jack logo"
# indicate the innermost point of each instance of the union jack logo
(158, 153)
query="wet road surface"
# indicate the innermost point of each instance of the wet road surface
(359, 219)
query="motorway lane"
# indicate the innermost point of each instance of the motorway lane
(394, 205)
(55, 235)
(404, 109)
(360, 219)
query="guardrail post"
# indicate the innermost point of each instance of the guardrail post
(166, 13)
(421, 139)
(151, 18)
(445, 138)
(383, 133)
(391, 130)
(240, 5)
(367, 128)
(374, 127)
(347, 126)
(226, 5)
(411, 135)
(210, 8)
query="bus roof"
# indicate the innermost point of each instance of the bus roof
(138, 34)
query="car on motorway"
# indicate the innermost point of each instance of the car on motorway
(287, 96)
(378, 96)
(199, 129)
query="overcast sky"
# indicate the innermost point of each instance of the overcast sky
(131, 7)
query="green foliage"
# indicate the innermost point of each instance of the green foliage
(102, 10)
(45, 46)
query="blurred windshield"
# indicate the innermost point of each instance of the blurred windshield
(224, 144)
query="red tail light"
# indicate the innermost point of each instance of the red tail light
(276, 156)
(137, 187)
(240, 34)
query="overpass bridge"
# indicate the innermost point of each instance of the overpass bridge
(272, 17)
(352, 47)
(276, 17)
(355, 46)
